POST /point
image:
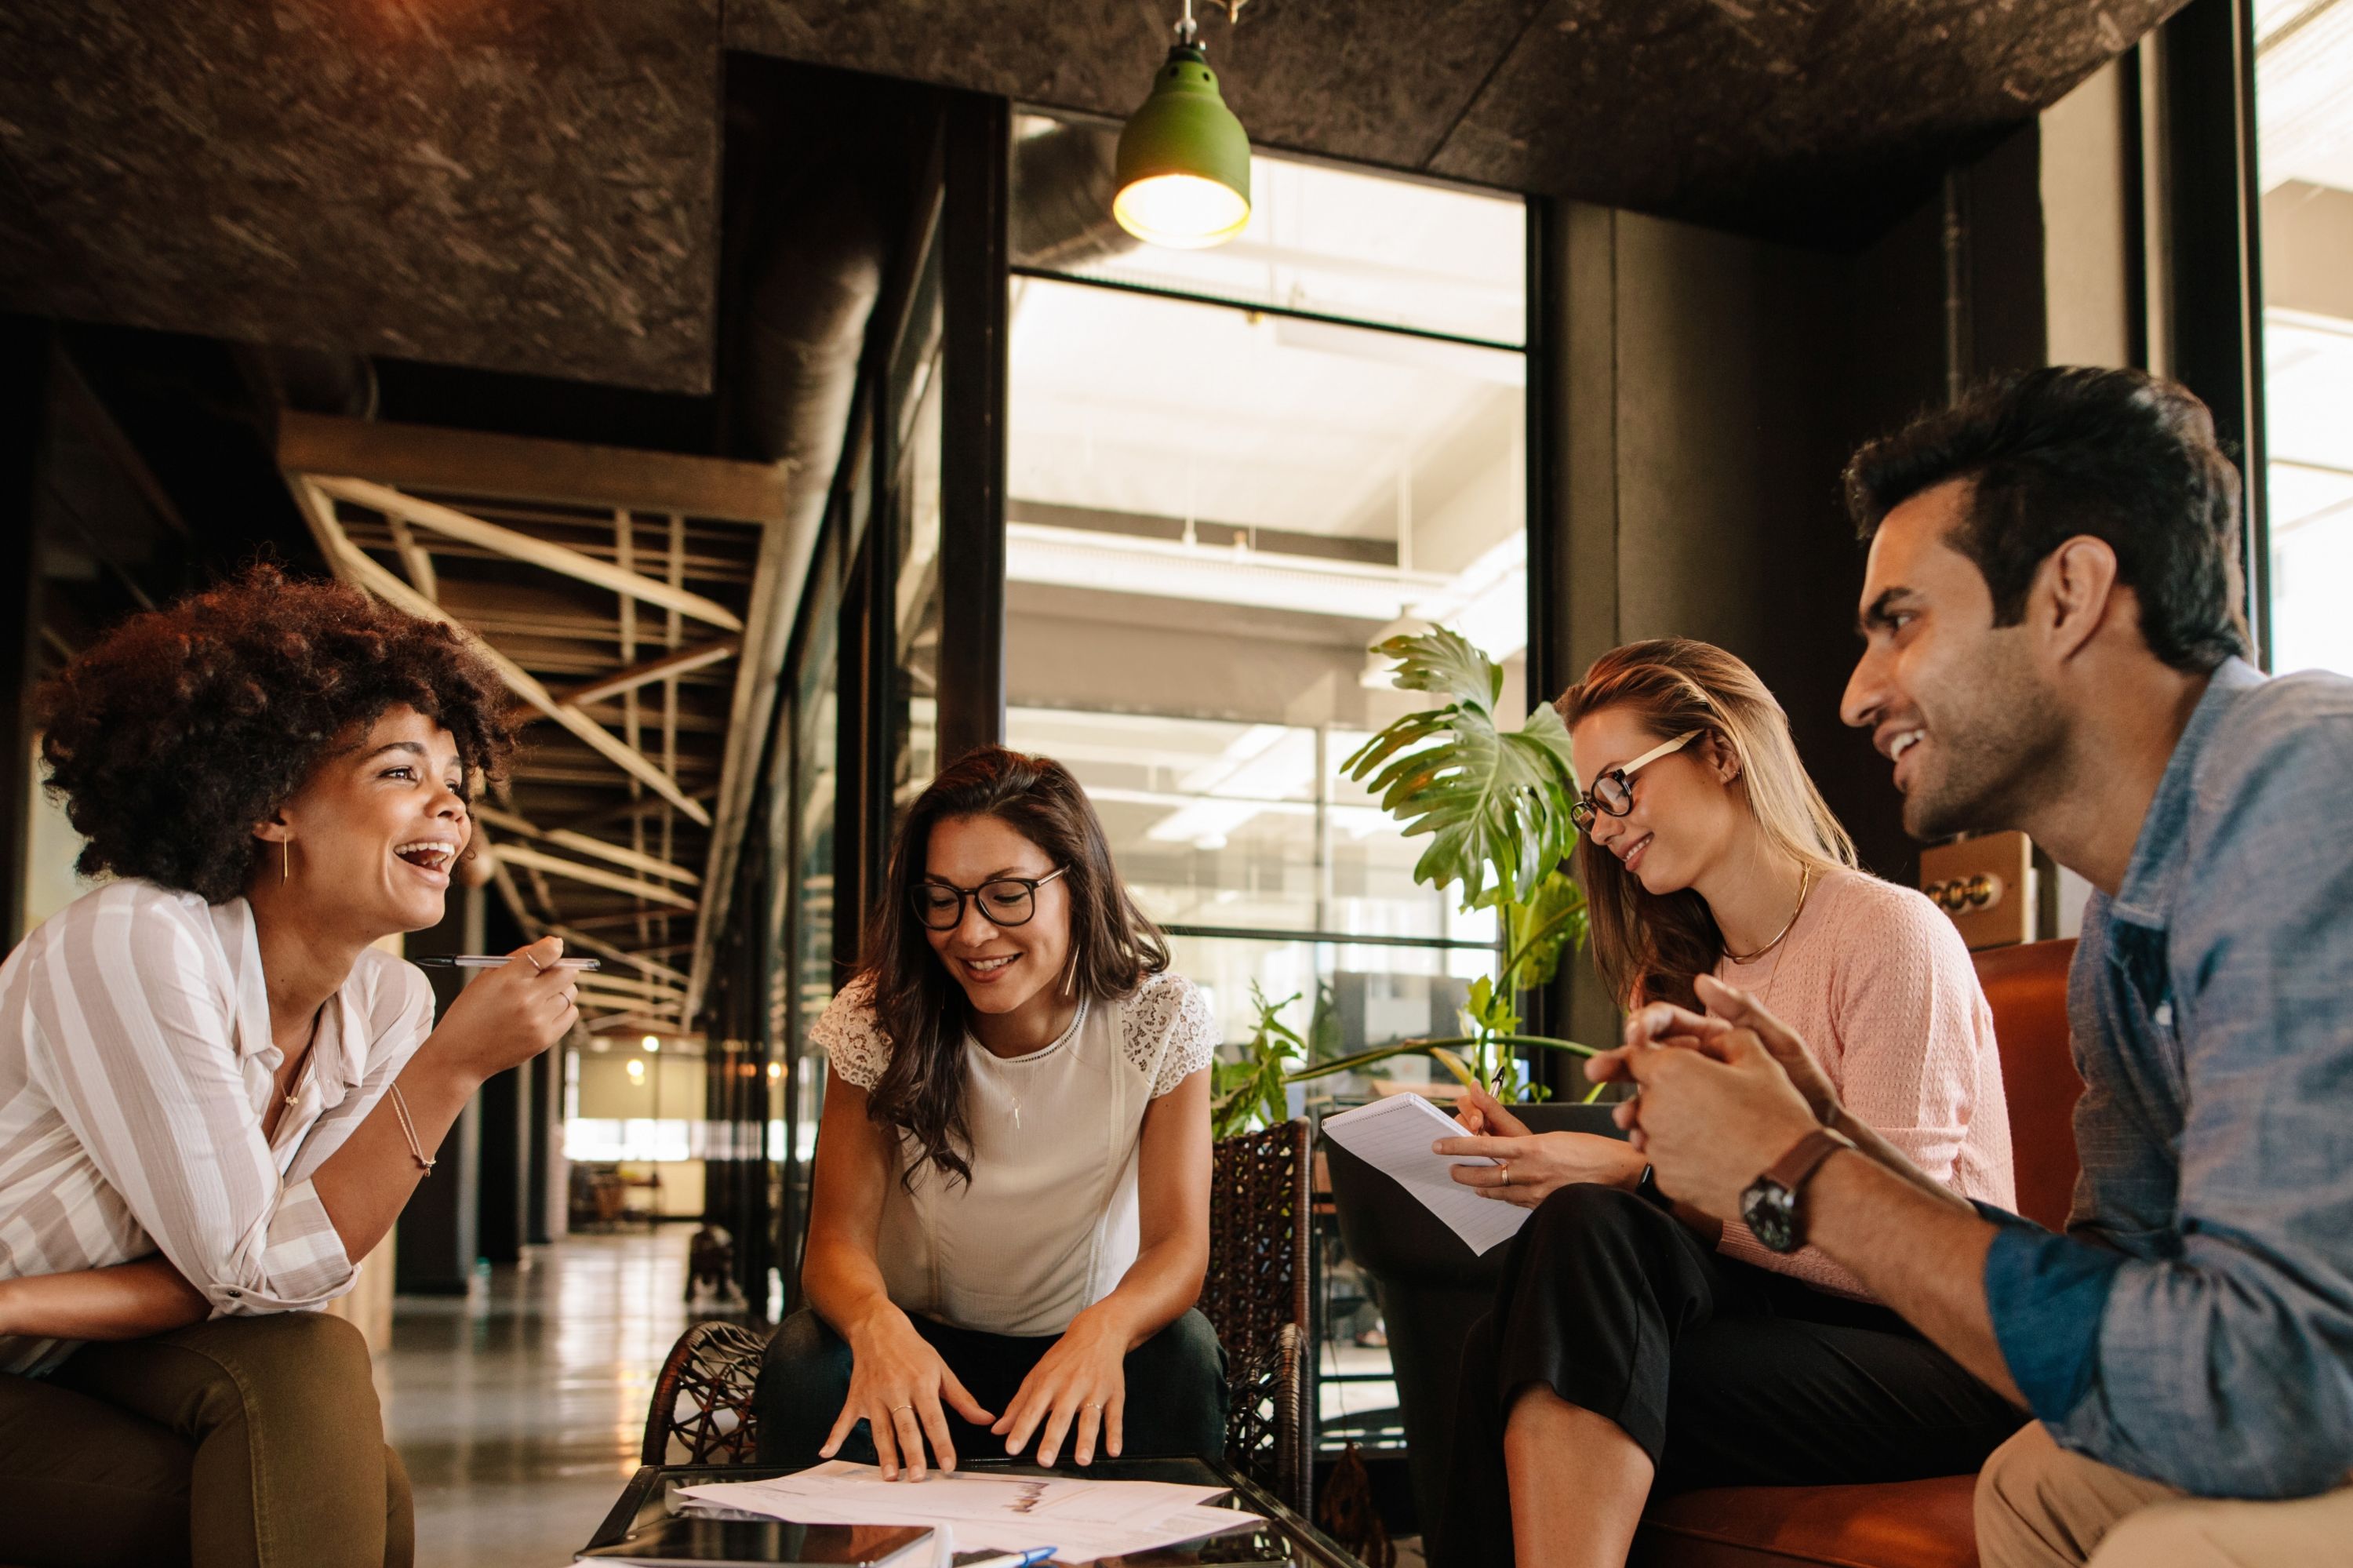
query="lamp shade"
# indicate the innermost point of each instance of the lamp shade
(1183, 170)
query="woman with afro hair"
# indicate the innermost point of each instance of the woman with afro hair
(217, 1092)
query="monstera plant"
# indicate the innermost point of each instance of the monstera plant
(1494, 804)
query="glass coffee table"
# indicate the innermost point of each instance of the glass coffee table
(1285, 1537)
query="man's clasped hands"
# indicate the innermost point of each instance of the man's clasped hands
(1719, 1096)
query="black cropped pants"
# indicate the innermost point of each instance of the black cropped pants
(1724, 1373)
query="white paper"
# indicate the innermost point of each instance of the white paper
(1082, 1520)
(1394, 1136)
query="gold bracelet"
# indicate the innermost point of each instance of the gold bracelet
(408, 1129)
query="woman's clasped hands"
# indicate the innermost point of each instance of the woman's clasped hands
(1529, 1167)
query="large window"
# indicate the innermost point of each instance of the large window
(1229, 473)
(2303, 100)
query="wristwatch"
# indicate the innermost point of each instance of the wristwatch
(1646, 1187)
(1769, 1207)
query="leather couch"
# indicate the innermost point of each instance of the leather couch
(1906, 1524)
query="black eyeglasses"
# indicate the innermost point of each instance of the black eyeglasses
(1005, 901)
(1613, 793)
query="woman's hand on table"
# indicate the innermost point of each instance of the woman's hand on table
(507, 1015)
(1078, 1390)
(896, 1383)
(1531, 1167)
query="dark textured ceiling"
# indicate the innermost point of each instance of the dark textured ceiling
(1808, 120)
(517, 184)
(533, 185)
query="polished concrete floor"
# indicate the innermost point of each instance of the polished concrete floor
(519, 1413)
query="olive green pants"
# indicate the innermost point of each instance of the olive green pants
(239, 1443)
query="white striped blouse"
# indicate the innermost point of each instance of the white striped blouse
(135, 1063)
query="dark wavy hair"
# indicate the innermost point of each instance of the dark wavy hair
(2121, 455)
(920, 1008)
(184, 727)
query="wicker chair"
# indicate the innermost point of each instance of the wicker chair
(1255, 1297)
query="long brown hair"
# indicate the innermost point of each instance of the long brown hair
(1651, 947)
(921, 1009)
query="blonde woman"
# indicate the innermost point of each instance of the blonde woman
(1636, 1346)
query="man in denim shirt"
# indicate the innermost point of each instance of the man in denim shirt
(2052, 644)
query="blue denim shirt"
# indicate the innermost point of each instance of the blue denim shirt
(2195, 1324)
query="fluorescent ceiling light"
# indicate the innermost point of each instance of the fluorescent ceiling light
(1114, 563)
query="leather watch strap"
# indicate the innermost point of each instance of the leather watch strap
(1805, 1157)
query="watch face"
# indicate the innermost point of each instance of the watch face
(1770, 1211)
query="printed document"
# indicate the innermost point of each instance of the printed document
(1394, 1136)
(1080, 1520)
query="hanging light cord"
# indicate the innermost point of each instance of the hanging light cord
(1188, 30)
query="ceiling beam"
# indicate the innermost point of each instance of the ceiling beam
(526, 547)
(626, 988)
(413, 559)
(574, 937)
(612, 1022)
(669, 667)
(581, 843)
(523, 468)
(353, 565)
(614, 922)
(556, 866)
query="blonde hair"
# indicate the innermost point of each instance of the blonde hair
(1650, 947)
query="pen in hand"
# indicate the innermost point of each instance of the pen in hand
(491, 962)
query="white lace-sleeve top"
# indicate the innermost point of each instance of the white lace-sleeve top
(1048, 1224)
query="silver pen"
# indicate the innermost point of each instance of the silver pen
(493, 961)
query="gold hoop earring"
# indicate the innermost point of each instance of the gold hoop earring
(285, 862)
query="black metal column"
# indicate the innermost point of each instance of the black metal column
(24, 376)
(439, 1231)
(972, 464)
(2213, 296)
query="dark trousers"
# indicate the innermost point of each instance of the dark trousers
(1725, 1374)
(239, 1443)
(1175, 1390)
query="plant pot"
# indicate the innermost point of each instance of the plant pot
(1430, 1287)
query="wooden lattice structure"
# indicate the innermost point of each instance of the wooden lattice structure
(1255, 1296)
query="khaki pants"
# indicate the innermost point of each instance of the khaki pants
(239, 1443)
(2041, 1505)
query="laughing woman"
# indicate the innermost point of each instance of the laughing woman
(1010, 1219)
(216, 1093)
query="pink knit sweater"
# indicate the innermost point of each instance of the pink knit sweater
(1879, 982)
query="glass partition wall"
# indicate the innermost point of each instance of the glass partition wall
(1145, 511)
(2303, 105)
(1229, 473)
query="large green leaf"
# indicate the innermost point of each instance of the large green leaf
(1534, 932)
(1495, 803)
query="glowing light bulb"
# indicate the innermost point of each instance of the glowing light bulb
(652, 1043)
(1184, 212)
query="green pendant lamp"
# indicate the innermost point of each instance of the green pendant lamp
(1184, 159)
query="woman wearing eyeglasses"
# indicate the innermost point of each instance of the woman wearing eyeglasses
(1010, 1217)
(1636, 1346)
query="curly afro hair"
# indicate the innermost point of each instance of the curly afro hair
(185, 726)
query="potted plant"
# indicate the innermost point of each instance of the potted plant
(1494, 804)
